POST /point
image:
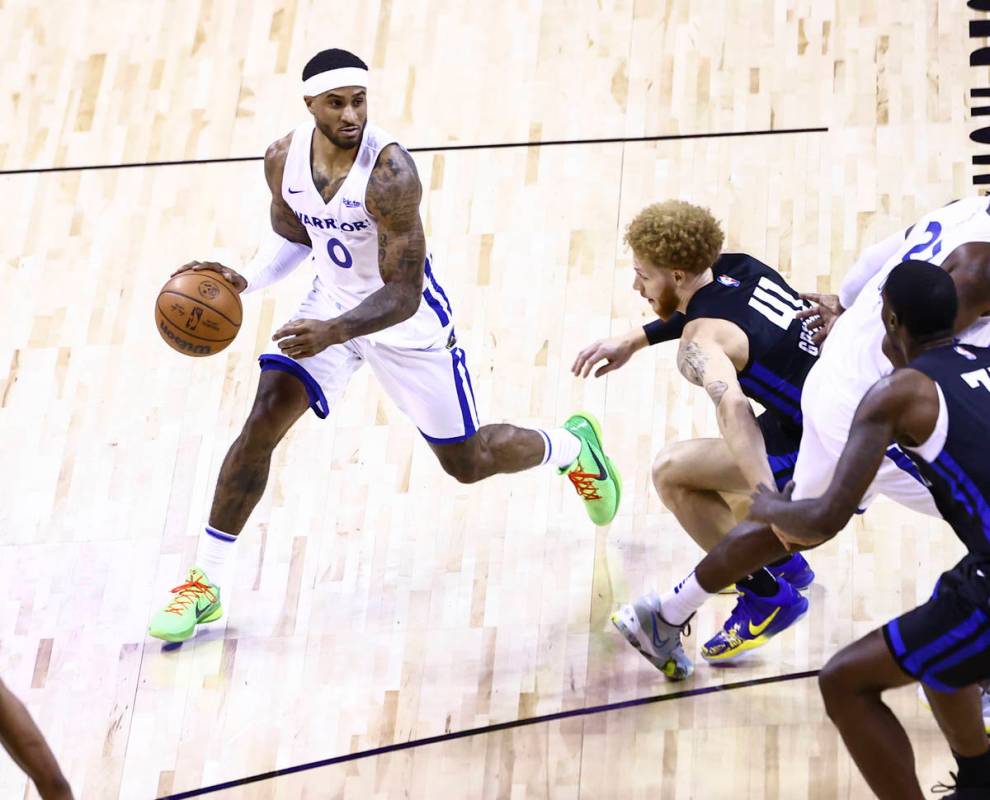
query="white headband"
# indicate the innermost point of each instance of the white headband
(334, 79)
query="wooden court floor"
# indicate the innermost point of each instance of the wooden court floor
(375, 601)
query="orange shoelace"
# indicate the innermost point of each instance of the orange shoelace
(584, 483)
(187, 594)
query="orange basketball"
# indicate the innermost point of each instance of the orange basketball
(198, 313)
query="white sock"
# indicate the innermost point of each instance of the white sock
(214, 553)
(560, 447)
(687, 597)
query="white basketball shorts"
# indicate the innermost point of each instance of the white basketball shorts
(827, 421)
(431, 386)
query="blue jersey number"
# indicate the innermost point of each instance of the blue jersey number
(934, 230)
(339, 254)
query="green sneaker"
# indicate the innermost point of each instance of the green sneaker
(593, 474)
(196, 601)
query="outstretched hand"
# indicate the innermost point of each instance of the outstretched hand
(615, 352)
(820, 318)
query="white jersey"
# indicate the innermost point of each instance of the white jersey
(852, 358)
(345, 240)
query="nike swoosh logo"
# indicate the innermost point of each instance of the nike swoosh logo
(295, 191)
(657, 641)
(758, 629)
(602, 474)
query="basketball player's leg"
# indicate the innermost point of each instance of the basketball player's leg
(26, 745)
(943, 644)
(767, 606)
(280, 401)
(852, 684)
(691, 479)
(433, 388)
(286, 388)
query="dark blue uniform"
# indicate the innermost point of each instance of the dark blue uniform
(758, 300)
(946, 642)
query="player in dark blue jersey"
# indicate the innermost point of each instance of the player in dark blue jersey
(936, 405)
(742, 338)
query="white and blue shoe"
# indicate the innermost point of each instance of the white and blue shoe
(659, 642)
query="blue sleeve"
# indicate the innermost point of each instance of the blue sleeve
(661, 331)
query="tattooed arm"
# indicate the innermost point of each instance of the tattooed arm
(710, 354)
(392, 198)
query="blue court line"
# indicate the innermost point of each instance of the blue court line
(501, 726)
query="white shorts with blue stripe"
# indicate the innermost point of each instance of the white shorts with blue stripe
(430, 385)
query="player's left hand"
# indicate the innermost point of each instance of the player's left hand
(303, 338)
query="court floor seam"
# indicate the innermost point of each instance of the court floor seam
(495, 728)
(671, 137)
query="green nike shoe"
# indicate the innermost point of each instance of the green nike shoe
(196, 601)
(593, 474)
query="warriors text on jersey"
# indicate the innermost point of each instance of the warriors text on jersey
(345, 239)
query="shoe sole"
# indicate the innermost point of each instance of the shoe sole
(750, 645)
(182, 636)
(592, 420)
(668, 668)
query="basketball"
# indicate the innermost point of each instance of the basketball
(198, 313)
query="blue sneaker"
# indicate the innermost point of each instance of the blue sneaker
(755, 621)
(795, 571)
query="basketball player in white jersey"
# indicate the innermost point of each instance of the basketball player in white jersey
(956, 237)
(345, 195)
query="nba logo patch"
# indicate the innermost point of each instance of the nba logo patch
(725, 280)
(964, 352)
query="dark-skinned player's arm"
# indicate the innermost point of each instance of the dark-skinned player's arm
(284, 248)
(392, 198)
(902, 407)
(703, 358)
(25, 744)
(969, 267)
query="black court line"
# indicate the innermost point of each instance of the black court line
(447, 148)
(501, 726)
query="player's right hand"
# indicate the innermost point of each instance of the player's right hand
(235, 279)
(615, 351)
(822, 316)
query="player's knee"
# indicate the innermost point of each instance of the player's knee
(462, 469)
(267, 423)
(837, 683)
(665, 475)
(463, 462)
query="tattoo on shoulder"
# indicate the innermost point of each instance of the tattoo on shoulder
(691, 362)
(394, 189)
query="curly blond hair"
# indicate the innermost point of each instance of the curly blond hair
(676, 235)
